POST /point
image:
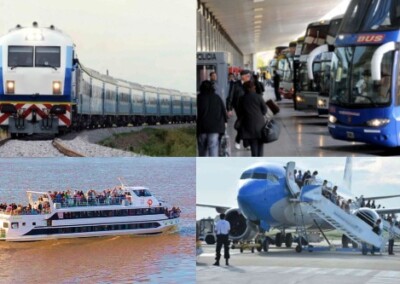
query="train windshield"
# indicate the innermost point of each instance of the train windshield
(352, 83)
(371, 15)
(20, 56)
(47, 56)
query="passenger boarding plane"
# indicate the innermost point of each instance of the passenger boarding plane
(269, 197)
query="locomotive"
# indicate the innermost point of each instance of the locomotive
(45, 89)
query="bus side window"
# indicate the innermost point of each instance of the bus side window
(398, 87)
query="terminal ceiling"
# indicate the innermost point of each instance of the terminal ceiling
(257, 25)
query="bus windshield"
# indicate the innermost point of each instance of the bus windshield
(371, 15)
(315, 36)
(351, 74)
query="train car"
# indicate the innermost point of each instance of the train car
(45, 89)
(165, 99)
(151, 104)
(194, 107)
(36, 71)
(187, 99)
(138, 107)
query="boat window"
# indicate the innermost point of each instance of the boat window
(20, 56)
(142, 192)
(33, 223)
(14, 225)
(47, 56)
(5, 225)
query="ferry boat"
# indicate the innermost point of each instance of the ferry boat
(123, 210)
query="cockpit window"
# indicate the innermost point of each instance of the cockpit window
(253, 175)
(246, 175)
(20, 56)
(47, 56)
(272, 178)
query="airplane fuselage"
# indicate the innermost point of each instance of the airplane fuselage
(265, 198)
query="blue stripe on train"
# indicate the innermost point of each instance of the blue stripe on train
(68, 72)
(1, 71)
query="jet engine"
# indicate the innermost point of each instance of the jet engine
(241, 229)
(368, 215)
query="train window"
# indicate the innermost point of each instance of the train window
(20, 56)
(47, 56)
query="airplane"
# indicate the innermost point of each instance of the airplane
(269, 198)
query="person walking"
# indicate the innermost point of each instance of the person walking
(277, 80)
(391, 237)
(252, 109)
(211, 120)
(232, 102)
(259, 86)
(222, 229)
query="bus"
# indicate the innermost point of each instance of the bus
(307, 90)
(285, 70)
(364, 101)
(296, 68)
(320, 70)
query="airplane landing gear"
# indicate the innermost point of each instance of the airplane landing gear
(288, 240)
(265, 245)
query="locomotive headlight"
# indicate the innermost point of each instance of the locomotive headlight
(34, 36)
(56, 88)
(378, 122)
(10, 86)
(321, 103)
(332, 119)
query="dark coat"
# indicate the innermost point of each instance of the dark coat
(211, 114)
(236, 92)
(252, 109)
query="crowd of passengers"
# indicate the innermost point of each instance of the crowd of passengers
(327, 191)
(69, 198)
(14, 209)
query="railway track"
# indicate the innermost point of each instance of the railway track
(64, 149)
(74, 144)
(29, 146)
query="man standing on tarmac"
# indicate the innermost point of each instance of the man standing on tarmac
(232, 101)
(222, 229)
(391, 237)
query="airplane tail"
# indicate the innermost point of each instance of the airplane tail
(346, 186)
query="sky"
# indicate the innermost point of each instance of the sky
(150, 42)
(217, 178)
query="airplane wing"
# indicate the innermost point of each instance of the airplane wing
(381, 197)
(388, 211)
(219, 209)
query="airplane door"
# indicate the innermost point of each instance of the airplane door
(290, 179)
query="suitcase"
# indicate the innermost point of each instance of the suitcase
(225, 146)
(273, 106)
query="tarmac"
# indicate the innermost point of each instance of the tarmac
(284, 265)
(304, 133)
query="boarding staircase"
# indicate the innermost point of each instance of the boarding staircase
(350, 225)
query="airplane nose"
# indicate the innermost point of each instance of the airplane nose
(249, 195)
